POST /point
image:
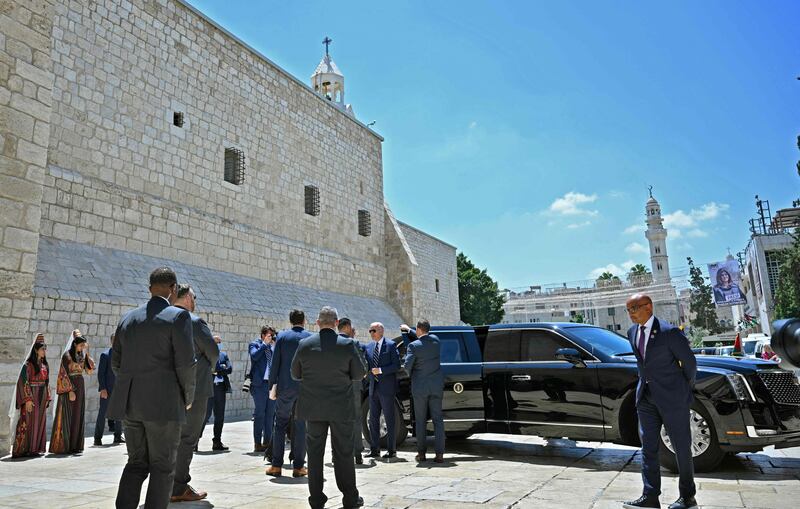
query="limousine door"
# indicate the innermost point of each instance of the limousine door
(462, 399)
(550, 397)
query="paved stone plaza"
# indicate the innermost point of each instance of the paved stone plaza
(490, 471)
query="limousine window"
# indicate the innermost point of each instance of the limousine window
(451, 348)
(541, 345)
(502, 346)
(602, 340)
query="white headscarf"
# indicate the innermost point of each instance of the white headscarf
(13, 411)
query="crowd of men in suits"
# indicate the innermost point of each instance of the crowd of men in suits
(311, 382)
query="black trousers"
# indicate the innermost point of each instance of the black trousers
(190, 435)
(343, 464)
(100, 424)
(216, 404)
(152, 448)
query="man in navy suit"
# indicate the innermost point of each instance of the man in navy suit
(423, 364)
(384, 362)
(261, 352)
(105, 385)
(347, 330)
(667, 369)
(216, 403)
(284, 390)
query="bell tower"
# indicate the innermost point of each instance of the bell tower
(328, 80)
(657, 238)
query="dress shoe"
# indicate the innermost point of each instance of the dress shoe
(119, 440)
(389, 455)
(258, 448)
(275, 471)
(300, 472)
(190, 495)
(643, 501)
(219, 446)
(98, 441)
(359, 503)
(359, 459)
(439, 458)
(684, 503)
(420, 457)
(374, 453)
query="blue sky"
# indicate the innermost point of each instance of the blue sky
(526, 133)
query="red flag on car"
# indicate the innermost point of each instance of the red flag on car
(737, 346)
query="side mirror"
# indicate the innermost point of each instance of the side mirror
(570, 355)
(786, 340)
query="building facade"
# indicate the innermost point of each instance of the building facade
(141, 133)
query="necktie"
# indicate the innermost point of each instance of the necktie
(269, 362)
(641, 340)
(376, 355)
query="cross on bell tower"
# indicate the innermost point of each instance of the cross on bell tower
(328, 81)
(327, 41)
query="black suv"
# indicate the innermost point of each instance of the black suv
(578, 381)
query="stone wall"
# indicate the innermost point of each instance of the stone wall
(435, 266)
(122, 176)
(400, 268)
(26, 83)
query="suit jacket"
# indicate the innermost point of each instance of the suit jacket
(423, 365)
(668, 368)
(285, 348)
(206, 352)
(153, 359)
(389, 362)
(326, 365)
(105, 375)
(258, 362)
(223, 369)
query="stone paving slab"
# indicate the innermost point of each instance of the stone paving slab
(486, 471)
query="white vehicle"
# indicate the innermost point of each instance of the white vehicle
(750, 343)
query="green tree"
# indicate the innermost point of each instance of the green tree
(787, 293)
(608, 279)
(701, 303)
(578, 318)
(478, 294)
(640, 275)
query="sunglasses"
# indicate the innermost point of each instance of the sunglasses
(372, 331)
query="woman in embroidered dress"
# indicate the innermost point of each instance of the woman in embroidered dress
(67, 437)
(29, 408)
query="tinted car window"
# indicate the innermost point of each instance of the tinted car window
(502, 346)
(601, 339)
(452, 347)
(541, 345)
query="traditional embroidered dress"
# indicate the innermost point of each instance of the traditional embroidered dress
(67, 437)
(31, 437)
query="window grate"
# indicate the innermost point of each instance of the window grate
(234, 165)
(312, 200)
(364, 224)
(177, 118)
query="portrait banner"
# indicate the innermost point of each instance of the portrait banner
(726, 283)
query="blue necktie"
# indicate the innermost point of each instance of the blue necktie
(376, 354)
(269, 362)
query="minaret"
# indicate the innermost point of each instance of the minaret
(328, 81)
(657, 237)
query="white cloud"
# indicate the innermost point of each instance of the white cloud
(692, 219)
(473, 124)
(634, 228)
(573, 226)
(635, 247)
(617, 270)
(570, 204)
(697, 233)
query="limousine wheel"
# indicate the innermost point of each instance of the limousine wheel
(705, 447)
(400, 426)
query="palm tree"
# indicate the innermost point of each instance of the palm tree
(639, 275)
(608, 279)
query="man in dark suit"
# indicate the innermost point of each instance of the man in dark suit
(667, 369)
(153, 354)
(347, 330)
(423, 365)
(105, 385)
(384, 362)
(216, 403)
(206, 354)
(261, 351)
(326, 365)
(285, 390)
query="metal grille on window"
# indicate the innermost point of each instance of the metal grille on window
(234, 165)
(364, 225)
(312, 200)
(773, 260)
(177, 118)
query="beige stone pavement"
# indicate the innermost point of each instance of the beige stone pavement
(486, 471)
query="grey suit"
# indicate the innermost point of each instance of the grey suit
(423, 365)
(326, 365)
(153, 354)
(207, 353)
